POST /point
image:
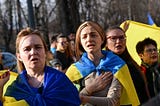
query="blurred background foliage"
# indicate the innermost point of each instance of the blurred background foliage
(64, 16)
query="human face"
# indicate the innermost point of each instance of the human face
(150, 54)
(32, 52)
(91, 40)
(116, 41)
(62, 44)
(72, 44)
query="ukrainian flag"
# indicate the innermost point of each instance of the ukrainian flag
(112, 63)
(137, 32)
(150, 20)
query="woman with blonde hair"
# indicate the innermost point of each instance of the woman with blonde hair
(94, 69)
(38, 84)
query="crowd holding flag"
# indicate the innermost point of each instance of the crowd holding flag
(138, 31)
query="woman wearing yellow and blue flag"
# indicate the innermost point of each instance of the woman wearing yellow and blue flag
(37, 84)
(94, 64)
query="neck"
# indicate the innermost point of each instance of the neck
(35, 81)
(35, 73)
(95, 57)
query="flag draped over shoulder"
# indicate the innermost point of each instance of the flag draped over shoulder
(112, 63)
(57, 90)
(137, 32)
(150, 20)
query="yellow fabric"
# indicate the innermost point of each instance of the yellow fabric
(129, 94)
(10, 101)
(13, 77)
(137, 32)
(73, 74)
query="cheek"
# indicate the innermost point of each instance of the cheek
(23, 57)
(110, 45)
(83, 43)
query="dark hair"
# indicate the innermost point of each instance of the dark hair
(113, 28)
(141, 44)
(53, 38)
(61, 36)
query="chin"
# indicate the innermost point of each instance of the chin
(118, 52)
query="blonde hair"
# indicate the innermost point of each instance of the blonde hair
(97, 27)
(25, 32)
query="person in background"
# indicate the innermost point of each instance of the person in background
(63, 52)
(55, 63)
(49, 57)
(72, 36)
(98, 71)
(72, 46)
(53, 44)
(37, 84)
(148, 53)
(116, 42)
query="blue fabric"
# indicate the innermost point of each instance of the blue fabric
(110, 62)
(57, 90)
(1, 103)
(53, 50)
(150, 20)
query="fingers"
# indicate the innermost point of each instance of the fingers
(106, 75)
(106, 78)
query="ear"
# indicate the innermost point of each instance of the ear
(18, 56)
(140, 55)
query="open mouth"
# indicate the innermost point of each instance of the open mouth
(119, 47)
(90, 45)
(154, 57)
(34, 59)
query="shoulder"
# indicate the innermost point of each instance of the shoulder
(112, 57)
(52, 71)
(73, 73)
(52, 75)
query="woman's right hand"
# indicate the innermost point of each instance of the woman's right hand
(99, 83)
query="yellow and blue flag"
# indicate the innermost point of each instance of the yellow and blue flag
(137, 32)
(111, 63)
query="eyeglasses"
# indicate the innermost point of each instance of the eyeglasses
(115, 38)
(151, 50)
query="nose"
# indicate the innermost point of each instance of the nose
(33, 51)
(118, 40)
(89, 37)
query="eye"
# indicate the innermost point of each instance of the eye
(27, 49)
(121, 37)
(83, 36)
(113, 38)
(38, 47)
(93, 35)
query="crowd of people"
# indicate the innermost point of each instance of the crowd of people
(90, 68)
